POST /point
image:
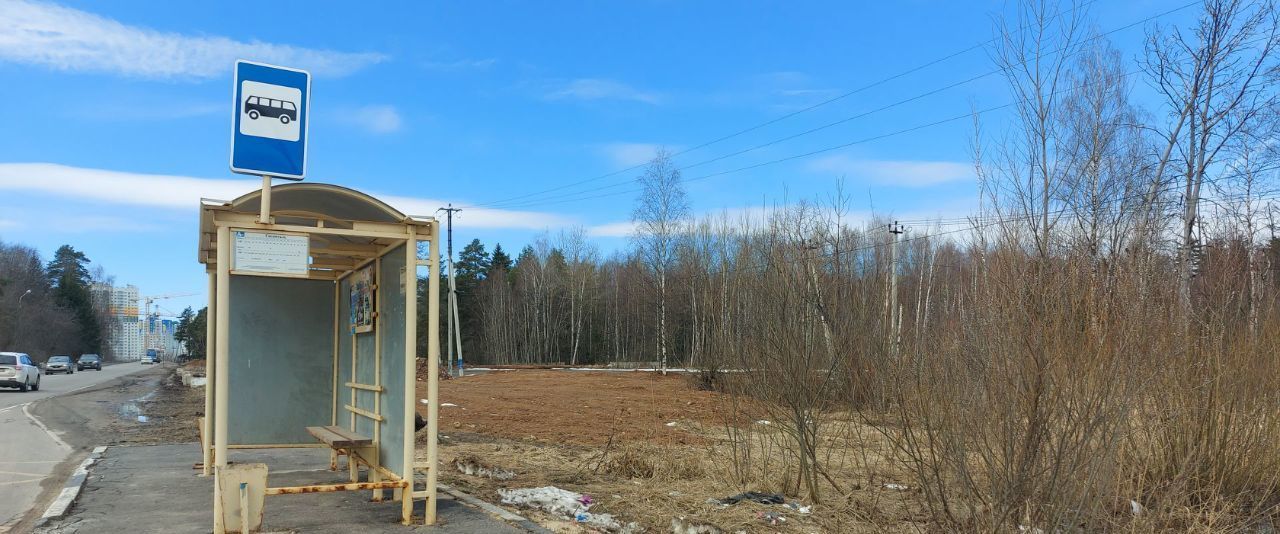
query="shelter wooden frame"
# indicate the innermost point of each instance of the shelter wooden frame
(340, 244)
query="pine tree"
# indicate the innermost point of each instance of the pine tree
(500, 261)
(69, 274)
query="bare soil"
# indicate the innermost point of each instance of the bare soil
(575, 407)
(647, 448)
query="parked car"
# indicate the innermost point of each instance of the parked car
(18, 371)
(58, 364)
(89, 361)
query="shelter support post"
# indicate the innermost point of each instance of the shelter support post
(206, 433)
(333, 454)
(410, 284)
(433, 375)
(374, 475)
(222, 308)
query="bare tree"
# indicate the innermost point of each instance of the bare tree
(660, 215)
(1219, 82)
(580, 256)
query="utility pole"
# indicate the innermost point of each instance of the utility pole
(895, 326)
(454, 328)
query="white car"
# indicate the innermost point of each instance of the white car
(18, 371)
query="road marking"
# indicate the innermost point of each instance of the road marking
(16, 482)
(46, 430)
(22, 474)
(2, 462)
(7, 408)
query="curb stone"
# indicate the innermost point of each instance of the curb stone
(70, 490)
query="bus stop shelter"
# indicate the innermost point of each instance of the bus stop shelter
(313, 316)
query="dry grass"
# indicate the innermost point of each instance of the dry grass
(652, 478)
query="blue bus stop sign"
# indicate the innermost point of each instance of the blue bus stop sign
(269, 128)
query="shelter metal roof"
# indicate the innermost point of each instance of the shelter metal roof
(309, 204)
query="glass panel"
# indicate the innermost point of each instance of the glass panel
(8, 360)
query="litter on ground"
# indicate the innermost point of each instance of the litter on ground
(564, 503)
(751, 496)
(468, 465)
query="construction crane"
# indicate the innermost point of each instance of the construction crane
(149, 339)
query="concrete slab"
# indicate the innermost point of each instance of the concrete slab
(154, 489)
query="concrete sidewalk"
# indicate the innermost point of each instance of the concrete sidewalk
(154, 489)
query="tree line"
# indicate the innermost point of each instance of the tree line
(49, 308)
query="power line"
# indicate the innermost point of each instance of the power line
(523, 200)
(786, 116)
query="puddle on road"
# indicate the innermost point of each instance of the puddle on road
(132, 409)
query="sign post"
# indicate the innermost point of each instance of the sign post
(269, 124)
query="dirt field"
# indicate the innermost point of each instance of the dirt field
(573, 407)
(645, 447)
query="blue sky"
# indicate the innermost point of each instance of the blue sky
(117, 114)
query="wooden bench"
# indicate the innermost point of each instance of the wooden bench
(339, 438)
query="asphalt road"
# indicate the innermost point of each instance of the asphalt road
(28, 452)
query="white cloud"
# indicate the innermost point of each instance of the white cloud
(471, 217)
(157, 190)
(601, 89)
(374, 119)
(39, 33)
(617, 229)
(629, 154)
(900, 173)
(184, 193)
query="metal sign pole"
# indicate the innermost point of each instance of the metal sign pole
(265, 216)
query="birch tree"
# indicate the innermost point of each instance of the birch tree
(659, 216)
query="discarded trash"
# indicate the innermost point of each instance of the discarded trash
(802, 509)
(142, 418)
(898, 487)
(752, 496)
(764, 422)
(444, 404)
(425, 401)
(1135, 507)
(772, 518)
(673, 423)
(564, 503)
(470, 465)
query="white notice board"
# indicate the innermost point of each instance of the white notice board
(269, 252)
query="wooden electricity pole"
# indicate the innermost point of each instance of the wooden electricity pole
(895, 319)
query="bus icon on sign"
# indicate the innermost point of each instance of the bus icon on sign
(257, 106)
(271, 111)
